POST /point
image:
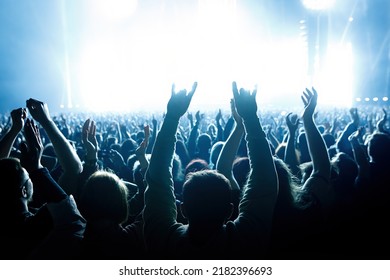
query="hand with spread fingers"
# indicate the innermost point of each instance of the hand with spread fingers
(245, 101)
(309, 99)
(180, 101)
(89, 140)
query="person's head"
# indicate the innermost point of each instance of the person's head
(379, 148)
(127, 148)
(196, 164)
(329, 139)
(104, 198)
(344, 167)
(203, 142)
(288, 184)
(19, 186)
(212, 130)
(321, 128)
(140, 137)
(110, 141)
(207, 198)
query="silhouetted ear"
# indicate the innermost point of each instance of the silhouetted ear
(24, 192)
(229, 211)
(183, 210)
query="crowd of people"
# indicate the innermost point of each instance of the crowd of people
(243, 184)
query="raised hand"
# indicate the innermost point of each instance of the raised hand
(140, 152)
(381, 123)
(154, 122)
(38, 110)
(245, 101)
(32, 148)
(237, 118)
(18, 117)
(357, 135)
(354, 115)
(309, 99)
(116, 159)
(292, 121)
(89, 140)
(198, 117)
(218, 117)
(180, 101)
(7, 140)
(190, 117)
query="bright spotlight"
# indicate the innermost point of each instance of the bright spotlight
(115, 9)
(367, 99)
(358, 99)
(375, 99)
(338, 63)
(385, 99)
(318, 4)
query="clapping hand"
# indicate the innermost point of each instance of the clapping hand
(32, 148)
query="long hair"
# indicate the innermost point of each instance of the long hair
(104, 197)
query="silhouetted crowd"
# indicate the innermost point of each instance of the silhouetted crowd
(246, 183)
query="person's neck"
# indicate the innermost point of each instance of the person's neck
(204, 231)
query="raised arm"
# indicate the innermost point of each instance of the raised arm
(191, 142)
(66, 154)
(7, 141)
(290, 155)
(136, 203)
(380, 126)
(259, 198)
(342, 143)
(153, 136)
(360, 155)
(318, 181)
(227, 156)
(218, 121)
(229, 149)
(68, 224)
(90, 165)
(160, 203)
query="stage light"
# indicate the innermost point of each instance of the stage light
(350, 19)
(385, 99)
(115, 9)
(338, 62)
(375, 99)
(318, 4)
(367, 99)
(358, 99)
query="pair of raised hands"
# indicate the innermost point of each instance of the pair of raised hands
(32, 148)
(244, 101)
